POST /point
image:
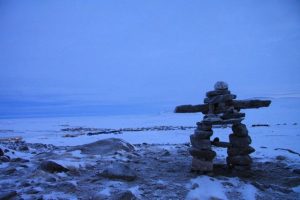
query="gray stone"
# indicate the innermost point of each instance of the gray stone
(207, 155)
(202, 165)
(119, 171)
(20, 160)
(222, 122)
(106, 146)
(240, 130)
(23, 148)
(10, 171)
(125, 195)
(68, 187)
(296, 171)
(52, 167)
(220, 98)
(280, 158)
(4, 159)
(200, 134)
(8, 195)
(200, 144)
(221, 85)
(233, 151)
(232, 115)
(240, 142)
(239, 160)
(216, 93)
(204, 126)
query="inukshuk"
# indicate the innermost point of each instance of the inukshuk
(221, 108)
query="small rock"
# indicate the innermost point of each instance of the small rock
(118, 171)
(200, 144)
(202, 134)
(8, 195)
(239, 142)
(165, 153)
(51, 179)
(32, 191)
(201, 165)
(52, 167)
(1, 152)
(239, 160)
(67, 187)
(205, 154)
(240, 130)
(21, 160)
(194, 186)
(23, 148)
(221, 85)
(10, 171)
(127, 195)
(292, 182)
(4, 158)
(280, 158)
(6, 150)
(296, 171)
(25, 184)
(232, 151)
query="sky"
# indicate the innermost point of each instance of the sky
(134, 52)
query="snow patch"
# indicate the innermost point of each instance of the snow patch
(205, 188)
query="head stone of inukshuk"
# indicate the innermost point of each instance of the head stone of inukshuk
(221, 111)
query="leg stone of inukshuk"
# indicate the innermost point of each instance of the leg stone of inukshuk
(238, 153)
(201, 148)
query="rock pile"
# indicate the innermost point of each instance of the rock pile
(3, 157)
(222, 110)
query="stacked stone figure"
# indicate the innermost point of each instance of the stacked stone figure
(221, 111)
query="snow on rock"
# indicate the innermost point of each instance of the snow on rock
(106, 146)
(59, 195)
(206, 188)
(118, 171)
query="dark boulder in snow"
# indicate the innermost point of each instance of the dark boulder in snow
(23, 148)
(118, 171)
(52, 167)
(1, 152)
(8, 195)
(126, 195)
(4, 159)
(106, 146)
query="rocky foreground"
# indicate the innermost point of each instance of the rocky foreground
(115, 169)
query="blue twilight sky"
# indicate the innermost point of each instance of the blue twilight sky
(138, 51)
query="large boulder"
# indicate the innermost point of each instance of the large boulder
(106, 146)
